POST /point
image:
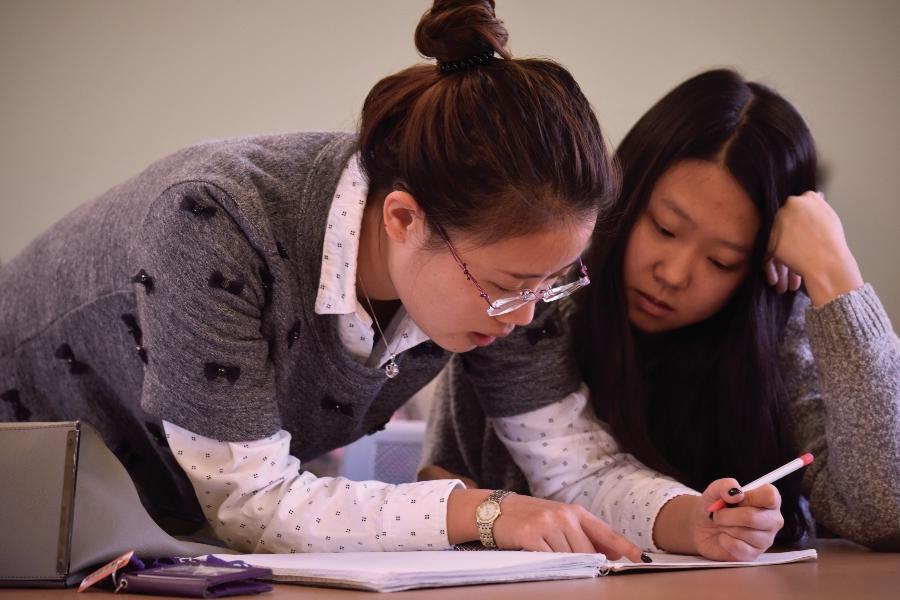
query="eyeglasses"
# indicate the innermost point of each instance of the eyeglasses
(502, 306)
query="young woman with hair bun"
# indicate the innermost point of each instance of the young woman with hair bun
(246, 305)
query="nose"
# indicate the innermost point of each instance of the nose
(519, 317)
(673, 270)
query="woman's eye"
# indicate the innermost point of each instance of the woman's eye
(722, 266)
(662, 230)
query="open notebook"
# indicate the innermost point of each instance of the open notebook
(396, 571)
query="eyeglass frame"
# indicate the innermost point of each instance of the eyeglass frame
(550, 294)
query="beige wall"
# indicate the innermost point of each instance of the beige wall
(91, 91)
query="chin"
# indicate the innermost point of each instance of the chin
(462, 347)
(455, 344)
(644, 324)
(643, 328)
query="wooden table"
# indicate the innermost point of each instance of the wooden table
(844, 571)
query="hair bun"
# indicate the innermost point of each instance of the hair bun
(455, 29)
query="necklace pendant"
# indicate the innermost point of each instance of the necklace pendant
(391, 369)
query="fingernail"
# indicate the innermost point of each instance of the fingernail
(645, 558)
(734, 492)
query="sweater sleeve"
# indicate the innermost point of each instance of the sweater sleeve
(842, 371)
(201, 291)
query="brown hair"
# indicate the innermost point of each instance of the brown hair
(492, 151)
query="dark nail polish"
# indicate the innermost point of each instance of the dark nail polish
(734, 492)
(645, 558)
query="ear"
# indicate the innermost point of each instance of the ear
(403, 217)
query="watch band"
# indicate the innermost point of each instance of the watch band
(486, 528)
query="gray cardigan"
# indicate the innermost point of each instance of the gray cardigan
(841, 365)
(187, 294)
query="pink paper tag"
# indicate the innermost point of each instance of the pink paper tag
(105, 571)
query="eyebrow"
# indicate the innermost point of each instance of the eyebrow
(670, 204)
(736, 247)
(536, 275)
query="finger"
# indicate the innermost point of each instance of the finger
(761, 540)
(726, 490)
(765, 496)
(557, 541)
(794, 281)
(539, 546)
(578, 541)
(771, 273)
(737, 549)
(761, 519)
(607, 541)
(722, 493)
(782, 285)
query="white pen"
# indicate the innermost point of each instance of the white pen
(772, 477)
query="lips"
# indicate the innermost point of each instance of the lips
(483, 339)
(652, 305)
(479, 339)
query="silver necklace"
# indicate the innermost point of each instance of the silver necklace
(391, 369)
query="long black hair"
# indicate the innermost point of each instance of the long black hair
(704, 401)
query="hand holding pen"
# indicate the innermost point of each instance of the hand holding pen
(743, 532)
(772, 477)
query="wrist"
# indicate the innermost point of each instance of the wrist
(673, 527)
(487, 514)
(837, 277)
(461, 505)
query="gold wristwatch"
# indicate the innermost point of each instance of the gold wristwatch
(486, 514)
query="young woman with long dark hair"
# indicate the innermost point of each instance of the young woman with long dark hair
(248, 304)
(696, 365)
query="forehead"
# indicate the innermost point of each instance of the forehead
(540, 253)
(708, 199)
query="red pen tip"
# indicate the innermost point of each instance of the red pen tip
(807, 458)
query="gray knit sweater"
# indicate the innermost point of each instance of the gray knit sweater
(187, 294)
(841, 363)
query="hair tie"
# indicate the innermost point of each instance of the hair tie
(466, 63)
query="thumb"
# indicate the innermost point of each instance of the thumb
(722, 493)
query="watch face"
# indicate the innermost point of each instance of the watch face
(487, 511)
